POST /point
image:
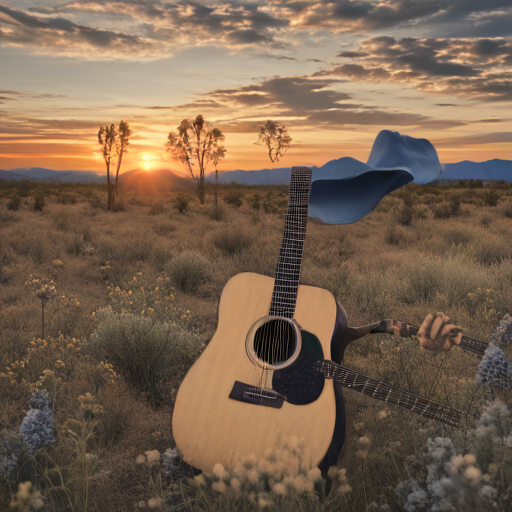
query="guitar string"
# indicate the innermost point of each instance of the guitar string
(279, 328)
(394, 395)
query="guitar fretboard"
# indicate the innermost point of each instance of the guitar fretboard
(289, 264)
(379, 390)
(471, 345)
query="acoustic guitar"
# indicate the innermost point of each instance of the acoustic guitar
(268, 370)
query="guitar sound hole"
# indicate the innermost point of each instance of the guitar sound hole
(275, 341)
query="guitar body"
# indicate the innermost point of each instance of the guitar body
(210, 427)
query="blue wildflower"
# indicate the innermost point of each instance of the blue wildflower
(503, 333)
(38, 426)
(14, 456)
(495, 370)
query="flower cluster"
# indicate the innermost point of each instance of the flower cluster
(38, 426)
(89, 409)
(170, 461)
(495, 369)
(503, 333)
(141, 296)
(42, 288)
(280, 475)
(14, 456)
(27, 498)
(453, 482)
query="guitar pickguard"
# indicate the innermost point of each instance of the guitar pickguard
(300, 383)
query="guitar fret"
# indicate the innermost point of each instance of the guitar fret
(286, 283)
(387, 393)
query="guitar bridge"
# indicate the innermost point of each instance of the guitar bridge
(256, 396)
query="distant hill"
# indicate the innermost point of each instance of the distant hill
(491, 170)
(10, 176)
(150, 181)
(49, 175)
(279, 176)
(154, 182)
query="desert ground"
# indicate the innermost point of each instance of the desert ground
(130, 301)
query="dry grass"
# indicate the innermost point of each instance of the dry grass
(401, 261)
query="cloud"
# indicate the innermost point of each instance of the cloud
(139, 30)
(467, 68)
(314, 102)
(487, 138)
(295, 94)
(361, 16)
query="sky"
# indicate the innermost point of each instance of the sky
(334, 72)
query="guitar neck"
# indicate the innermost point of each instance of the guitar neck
(379, 390)
(469, 344)
(284, 296)
(472, 345)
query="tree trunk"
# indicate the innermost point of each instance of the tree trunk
(109, 188)
(117, 175)
(216, 185)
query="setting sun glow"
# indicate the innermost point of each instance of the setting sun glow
(147, 162)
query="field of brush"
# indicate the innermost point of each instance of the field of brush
(130, 301)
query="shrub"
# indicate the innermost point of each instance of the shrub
(119, 204)
(491, 197)
(231, 241)
(404, 215)
(491, 249)
(181, 203)
(156, 208)
(96, 202)
(145, 352)
(255, 202)
(394, 235)
(506, 209)
(423, 278)
(14, 202)
(455, 205)
(442, 211)
(39, 202)
(234, 198)
(188, 271)
(217, 213)
(118, 410)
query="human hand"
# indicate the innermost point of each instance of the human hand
(437, 335)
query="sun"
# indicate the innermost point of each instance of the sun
(147, 162)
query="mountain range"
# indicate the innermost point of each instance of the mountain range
(166, 180)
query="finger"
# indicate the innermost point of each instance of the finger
(438, 322)
(449, 331)
(444, 317)
(426, 326)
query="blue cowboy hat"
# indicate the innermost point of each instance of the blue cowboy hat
(345, 190)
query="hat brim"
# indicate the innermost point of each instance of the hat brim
(345, 201)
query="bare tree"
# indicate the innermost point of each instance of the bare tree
(276, 138)
(114, 144)
(107, 140)
(196, 144)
